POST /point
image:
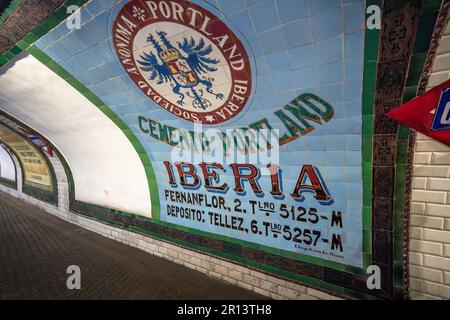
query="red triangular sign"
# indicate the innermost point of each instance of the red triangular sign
(429, 113)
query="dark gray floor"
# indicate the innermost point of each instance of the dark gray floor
(36, 248)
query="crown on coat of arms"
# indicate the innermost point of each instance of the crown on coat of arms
(169, 55)
(165, 50)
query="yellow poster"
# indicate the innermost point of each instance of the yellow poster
(36, 170)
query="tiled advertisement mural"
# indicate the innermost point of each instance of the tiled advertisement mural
(163, 65)
(37, 174)
(308, 72)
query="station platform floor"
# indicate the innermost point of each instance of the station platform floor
(36, 249)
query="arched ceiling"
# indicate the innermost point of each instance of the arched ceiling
(99, 155)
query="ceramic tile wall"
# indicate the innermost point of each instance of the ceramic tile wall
(295, 47)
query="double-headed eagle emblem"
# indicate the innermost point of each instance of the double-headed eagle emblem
(184, 72)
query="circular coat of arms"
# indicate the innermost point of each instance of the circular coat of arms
(183, 58)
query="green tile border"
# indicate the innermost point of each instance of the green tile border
(371, 48)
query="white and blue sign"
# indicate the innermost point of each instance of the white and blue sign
(441, 120)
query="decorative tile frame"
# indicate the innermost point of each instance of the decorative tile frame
(391, 70)
(400, 21)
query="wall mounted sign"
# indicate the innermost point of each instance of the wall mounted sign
(441, 120)
(429, 114)
(195, 66)
(36, 171)
(38, 141)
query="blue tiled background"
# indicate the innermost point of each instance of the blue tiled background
(298, 46)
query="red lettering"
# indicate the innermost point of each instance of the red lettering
(170, 173)
(212, 174)
(275, 179)
(316, 186)
(191, 172)
(240, 177)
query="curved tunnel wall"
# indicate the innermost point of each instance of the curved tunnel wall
(336, 65)
(105, 168)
